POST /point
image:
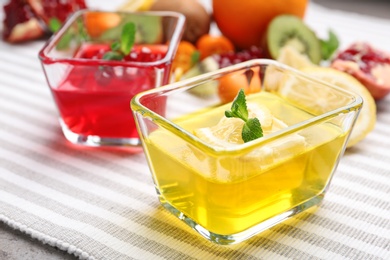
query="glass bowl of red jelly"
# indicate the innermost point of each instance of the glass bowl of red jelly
(92, 93)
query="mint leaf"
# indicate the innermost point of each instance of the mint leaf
(112, 55)
(116, 46)
(195, 57)
(54, 24)
(329, 46)
(252, 127)
(128, 37)
(65, 41)
(122, 48)
(251, 130)
(238, 108)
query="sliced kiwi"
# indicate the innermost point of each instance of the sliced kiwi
(292, 31)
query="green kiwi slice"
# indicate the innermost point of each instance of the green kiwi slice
(291, 30)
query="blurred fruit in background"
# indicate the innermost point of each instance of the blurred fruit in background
(98, 22)
(245, 22)
(55, 9)
(186, 56)
(136, 5)
(367, 64)
(366, 121)
(29, 19)
(197, 18)
(229, 85)
(211, 44)
(20, 23)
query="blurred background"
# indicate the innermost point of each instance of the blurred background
(376, 8)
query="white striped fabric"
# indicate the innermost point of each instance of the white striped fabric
(101, 204)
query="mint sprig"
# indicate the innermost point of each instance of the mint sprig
(120, 49)
(329, 46)
(252, 127)
(54, 24)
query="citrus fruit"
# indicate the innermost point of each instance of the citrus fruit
(293, 58)
(229, 85)
(367, 118)
(227, 133)
(211, 44)
(289, 56)
(97, 23)
(228, 130)
(184, 56)
(245, 22)
(136, 5)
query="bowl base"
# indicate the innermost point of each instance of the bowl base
(96, 141)
(246, 234)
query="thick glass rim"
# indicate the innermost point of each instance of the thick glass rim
(176, 36)
(355, 104)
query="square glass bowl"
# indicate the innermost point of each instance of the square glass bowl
(93, 95)
(230, 193)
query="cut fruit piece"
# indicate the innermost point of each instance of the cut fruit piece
(367, 64)
(228, 131)
(289, 30)
(136, 5)
(230, 84)
(59, 9)
(207, 65)
(20, 23)
(367, 118)
(292, 57)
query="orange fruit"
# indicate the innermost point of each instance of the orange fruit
(211, 44)
(184, 56)
(245, 22)
(97, 23)
(230, 84)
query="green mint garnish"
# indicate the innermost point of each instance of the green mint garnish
(252, 127)
(127, 37)
(54, 24)
(238, 109)
(116, 46)
(112, 55)
(123, 47)
(329, 46)
(251, 130)
(195, 57)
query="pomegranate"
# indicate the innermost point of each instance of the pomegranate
(48, 9)
(20, 23)
(28, 19)
(231, 58)
(367, 64)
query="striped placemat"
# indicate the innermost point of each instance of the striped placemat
(101, 204)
